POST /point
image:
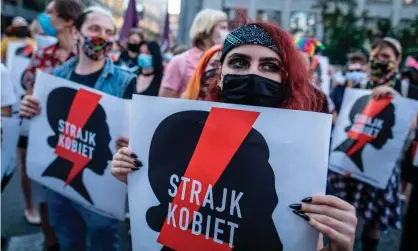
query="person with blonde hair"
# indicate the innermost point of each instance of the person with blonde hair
(209, 28)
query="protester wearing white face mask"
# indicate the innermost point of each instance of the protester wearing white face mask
(355, 76)
(209, 27)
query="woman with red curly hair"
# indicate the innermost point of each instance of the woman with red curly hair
(206, 70)
(260, 66)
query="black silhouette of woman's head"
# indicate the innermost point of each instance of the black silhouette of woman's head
(58, 108)
(249, 172)
(387, 115)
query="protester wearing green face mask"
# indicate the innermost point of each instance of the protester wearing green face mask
(380, 208)
(385, 58)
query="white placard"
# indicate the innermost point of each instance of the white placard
(79, 168)
(325, 77)
(18, 66)
(12, 47)
(9, 139)
(278, 162)
(369, 135)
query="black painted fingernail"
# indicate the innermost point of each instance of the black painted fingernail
(307, 200)
(301, 215)
(296, 206)
(138, 163)
(135, 169)
(133, 155)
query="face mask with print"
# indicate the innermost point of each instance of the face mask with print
(251, 89)
(356, 76)
(45, 23)
(382, 72)
(96, 47)
(145, 61)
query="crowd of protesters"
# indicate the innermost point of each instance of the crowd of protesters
(84, 50)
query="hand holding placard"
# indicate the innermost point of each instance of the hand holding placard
(124, 162)
(331, 216)
(30, 107)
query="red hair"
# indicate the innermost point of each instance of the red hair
(299, 91)
(193, 87)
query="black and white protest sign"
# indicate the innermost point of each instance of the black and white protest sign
(369, 136)
(221, 177)
(72, 141)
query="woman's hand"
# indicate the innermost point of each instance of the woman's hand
(122, 142)
(384, 91)
(331, 216)
(30, 107)
(123, 163)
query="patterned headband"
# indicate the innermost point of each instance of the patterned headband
(248, 34)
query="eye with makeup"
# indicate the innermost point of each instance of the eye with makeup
(269, 67)
(238, 63)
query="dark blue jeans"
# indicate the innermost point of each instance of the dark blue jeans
(78, 228)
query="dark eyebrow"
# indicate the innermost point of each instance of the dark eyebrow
(239, 55)
(269, 59)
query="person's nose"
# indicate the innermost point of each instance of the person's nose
(254, 69)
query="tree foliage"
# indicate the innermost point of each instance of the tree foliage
(342, 30)
(408, 36)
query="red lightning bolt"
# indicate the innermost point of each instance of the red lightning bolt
(223, 133)
(84, 104)
(374, 107)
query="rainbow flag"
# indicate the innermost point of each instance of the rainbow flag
(311, 46)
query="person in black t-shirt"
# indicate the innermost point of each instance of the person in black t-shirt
(128, 58)
(91, 79)
(95, 31)
(150, 73)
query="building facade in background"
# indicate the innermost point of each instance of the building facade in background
(298, 15)
(151, 12)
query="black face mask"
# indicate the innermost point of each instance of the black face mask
(133, 47)
(251, 90)
(20, 32)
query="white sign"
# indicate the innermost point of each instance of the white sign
(217, 176)
(369, 135)
(9, 139)
(325, 77)
(11, 50)
(18, 64)
(72, 142)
